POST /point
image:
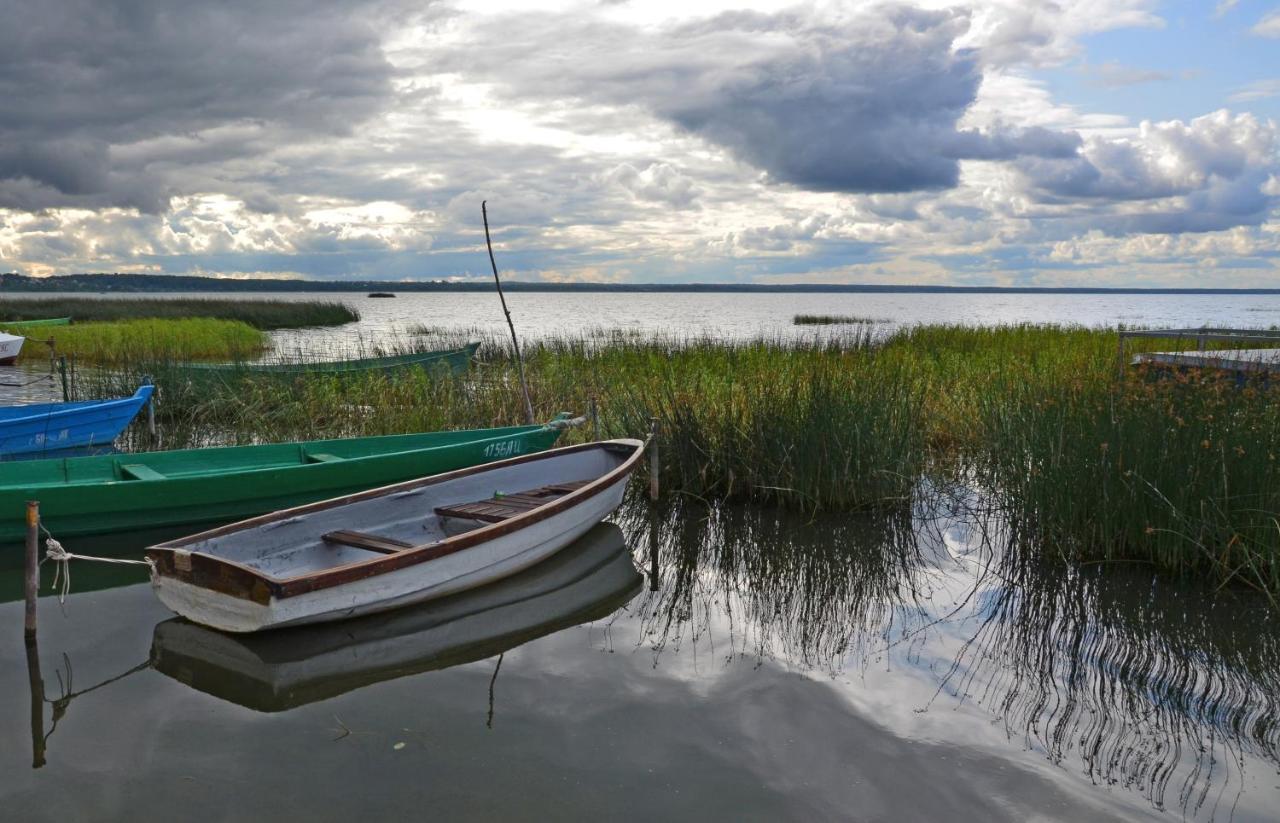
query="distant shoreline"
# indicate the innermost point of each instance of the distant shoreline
(155, 283)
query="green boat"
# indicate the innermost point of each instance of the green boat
(121, 492)
(452, 361)
(26, 324)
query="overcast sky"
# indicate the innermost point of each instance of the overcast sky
(1007, 142)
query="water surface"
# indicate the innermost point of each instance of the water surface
(691, 663)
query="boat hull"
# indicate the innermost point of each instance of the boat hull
(491, 561)
(10, 348)
(45, 427)
(276, 671)
(24, 324)
(238, 481)
(453, 361)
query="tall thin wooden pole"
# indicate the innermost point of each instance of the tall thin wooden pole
(32, 579)
(524, 387)
(654, 468)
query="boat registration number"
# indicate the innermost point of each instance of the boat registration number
(507, 448)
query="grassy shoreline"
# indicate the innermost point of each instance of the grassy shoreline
(1089, 465)
(265, 315)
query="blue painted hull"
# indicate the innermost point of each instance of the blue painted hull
(47, 427)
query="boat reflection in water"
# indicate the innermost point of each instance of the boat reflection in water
(279, 670)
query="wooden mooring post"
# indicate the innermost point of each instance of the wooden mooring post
(36, 683)
(594, 413)
(32, 579)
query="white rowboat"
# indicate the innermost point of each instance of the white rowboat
(277, 671)
(393, 546)
(10, 345)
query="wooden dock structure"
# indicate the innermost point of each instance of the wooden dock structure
(1242, 362)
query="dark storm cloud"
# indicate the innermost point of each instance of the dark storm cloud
(869, 104)
(101, 99)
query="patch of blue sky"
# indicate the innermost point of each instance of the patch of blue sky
(1197, 63)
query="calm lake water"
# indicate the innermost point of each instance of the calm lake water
(681, 664)
(392, 321)
(880, 667)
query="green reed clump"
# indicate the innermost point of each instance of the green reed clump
(134, 341)
(260, 314)
(1181, 473)
(812, 425)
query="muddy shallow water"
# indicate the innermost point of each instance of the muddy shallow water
(692, 663)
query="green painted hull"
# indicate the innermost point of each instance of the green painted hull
(452, 361)
(26, 324)
(120, 492)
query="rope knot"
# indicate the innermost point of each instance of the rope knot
(53, 551)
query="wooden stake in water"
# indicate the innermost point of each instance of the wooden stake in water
(524, 387)
(36, 682)
(62, 371)
(653, 459)
(595, 419)
(32, 579)
(654, 524)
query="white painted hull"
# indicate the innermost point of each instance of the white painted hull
(277, 671)
(285, 546)
(10, 346)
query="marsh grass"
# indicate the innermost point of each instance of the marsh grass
(260, 314)
(1179, 473)
(134, 341)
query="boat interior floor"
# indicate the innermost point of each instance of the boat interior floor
(490, 510)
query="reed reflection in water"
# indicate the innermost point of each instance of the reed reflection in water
(1158, 687)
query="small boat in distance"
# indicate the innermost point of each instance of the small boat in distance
(112, 493)
(395, 546)
(23, 324)
(10, 347)
(276, 671)
(450, 361)
(46, 427)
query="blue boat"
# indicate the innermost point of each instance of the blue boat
(46, 427)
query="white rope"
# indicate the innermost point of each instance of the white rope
(53, 551)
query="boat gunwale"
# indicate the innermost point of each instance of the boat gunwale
(220, 574)
(247, 468)
(77, 407)
(329, 367)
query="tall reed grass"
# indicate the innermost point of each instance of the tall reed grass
(1096, 462)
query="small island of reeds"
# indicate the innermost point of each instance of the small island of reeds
(833, 320)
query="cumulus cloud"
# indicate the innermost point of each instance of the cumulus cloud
(865, 102)
(103, 101)
(1205, 175)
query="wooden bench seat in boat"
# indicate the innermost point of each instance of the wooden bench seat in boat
(364, 540)
(137, 471)
(505, 506)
